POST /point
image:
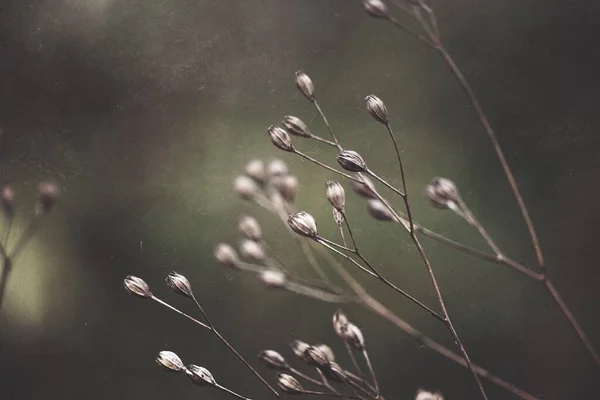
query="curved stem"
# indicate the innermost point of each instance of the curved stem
(319, 163)
(336, 142)
(374, 175)
(405, 197)
(231, 392)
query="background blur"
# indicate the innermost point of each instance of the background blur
(145, 111)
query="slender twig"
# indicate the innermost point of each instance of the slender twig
(374, 175)
(405, 197)
(371, 370)
(170, 307)
(327, 167)
(231, 392)
(320, 139)
(304, 376)
(337, 143)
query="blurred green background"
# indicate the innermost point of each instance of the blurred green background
(145, 111)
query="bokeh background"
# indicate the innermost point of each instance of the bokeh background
(143, 112)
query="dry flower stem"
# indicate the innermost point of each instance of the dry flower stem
(231, 392)
(319, 163)
(337, 143)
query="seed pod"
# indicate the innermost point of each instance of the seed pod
(7, 201)
(179, 284)
(277, 167)
(336, 195)
(289, 384)
(303, 224)
(273, 278)
(376, 8)
(424, 395)
(340, 322)
(443, 193)
(255, 169)
(351, 161)
(251, 250)
(338, 217)
(295, 126)
(249, 228)
(366, 188)
(335, 372)
(226, 255)
(316, 357)
(200, 375)
(379, 211)
(377, 109)
(137, 286)
(305, 85)
(287, 187)
(354, 337)
(326, 350)
(273, 359)
(299, 347)
(245, 187)
(280, 138)
(47, 196)
(170, 361)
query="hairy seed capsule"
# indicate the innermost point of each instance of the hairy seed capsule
(170, 361)
(351, 161)
(249, 228)
(245, 187)
(338, 217)
(376, 8)
(340, 322)
(255, 169)
(316, 357)
(299, 347)
(273, 359)
(137, 286)
(289, 384)
(303, 224)
(443, 193)
(326, 350)
(336, 195)
(273, 279)
(47, 195)
(366, 188)
(253, 251)
(424, 395)
(335, 372)
(305, 85)
(296, 126)
(7, 201)
(200, 375)
(179, 284)
(226, 255)
(280, 138)
(379, 211)
(354, 337)
(377, 109)
(287, 187)
(277, 167)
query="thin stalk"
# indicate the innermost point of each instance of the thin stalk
(374, 175)
(336, 142)
(6, 270)
(398, 24)
(304, 376)
(327, 167)
(7, 230)
(26, 236)
(353, 358)
(372, 371)
(404, 188)
(170, 307)
(320, 139)
(231, 392)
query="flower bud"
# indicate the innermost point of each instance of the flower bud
(226, 255)
(303, 224)
(170, 361)
(249, 228)
(335, 195)
(377, 109)
(316, 357)
(255, 169)
(277, 167)
(47, 195)
(137, 286)
(424, 395)
(287, 187)
(326, 350)
(443, 193)
(351, 161)
(245, 187)
(366, 188)
(376, 8)
(280, 138)
(296, 126)
(338, 217)
(340, 322)
(379, 211)
(299, 348)
(272, 278)
(305, 85)
(289, 384)
(7, 201)
(273, 359)
(354, 337)
(200, 375)
(179, 284)
(253, 251)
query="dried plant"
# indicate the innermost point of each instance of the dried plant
(11, 250)
(273, 187)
